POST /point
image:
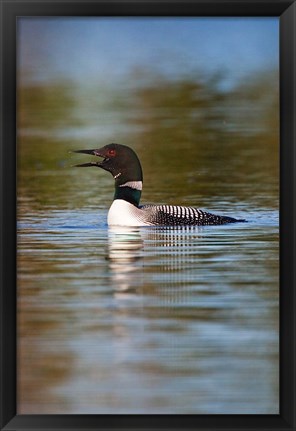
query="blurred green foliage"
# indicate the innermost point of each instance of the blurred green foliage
(192, 136)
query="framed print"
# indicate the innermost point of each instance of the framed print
(160, 296)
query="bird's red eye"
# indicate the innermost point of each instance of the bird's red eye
(111, 152)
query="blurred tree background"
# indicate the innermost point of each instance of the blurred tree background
(189, 126)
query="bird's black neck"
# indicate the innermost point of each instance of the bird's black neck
(128, 194)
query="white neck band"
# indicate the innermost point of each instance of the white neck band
(133, 185)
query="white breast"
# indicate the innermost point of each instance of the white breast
(122, 213)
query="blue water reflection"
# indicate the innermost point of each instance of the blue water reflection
(149, 320)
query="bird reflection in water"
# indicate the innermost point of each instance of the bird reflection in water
(125, 256)
(130, 262)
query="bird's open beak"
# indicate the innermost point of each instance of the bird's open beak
(89, 164)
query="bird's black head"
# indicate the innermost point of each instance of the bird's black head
(120, 160)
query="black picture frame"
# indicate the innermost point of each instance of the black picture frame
(286, 11)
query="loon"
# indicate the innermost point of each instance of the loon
(123, 163)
